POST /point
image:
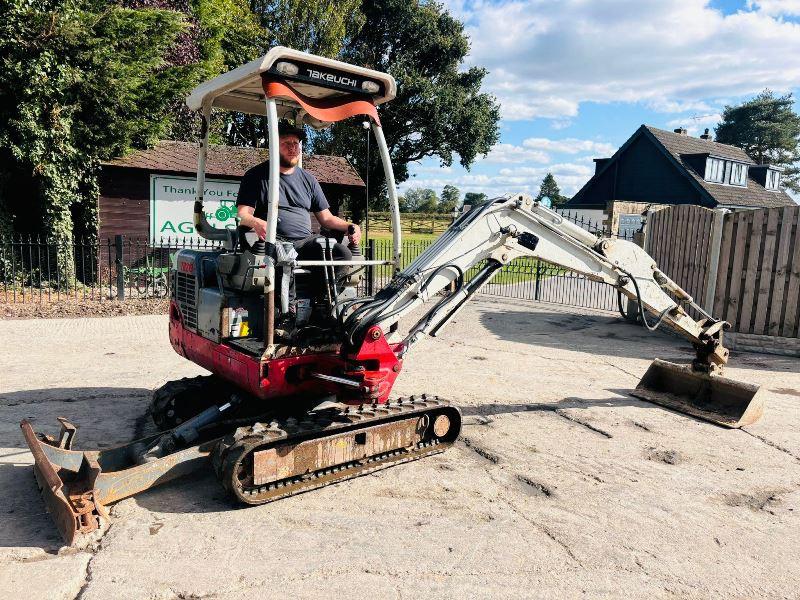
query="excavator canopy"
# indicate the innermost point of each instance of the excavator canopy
(310, 77)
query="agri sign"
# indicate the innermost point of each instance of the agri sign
(172, 205)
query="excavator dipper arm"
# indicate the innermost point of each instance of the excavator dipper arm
(508, 227)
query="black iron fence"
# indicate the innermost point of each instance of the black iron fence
(33, 269)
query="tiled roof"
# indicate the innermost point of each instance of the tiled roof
(231, 161)
(754, 195)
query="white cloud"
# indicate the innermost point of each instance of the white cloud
(569, 146)
(569, 176)
(697, 124)
(509, 153)
(539, 150)
(547, 57)
(775, 7)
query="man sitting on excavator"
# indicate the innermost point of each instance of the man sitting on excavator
(300, 194)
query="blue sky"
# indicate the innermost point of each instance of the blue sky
(575, 78)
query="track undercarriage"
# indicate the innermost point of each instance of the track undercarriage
(258, 458)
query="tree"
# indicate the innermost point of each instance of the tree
(320, 27)
(473, 198)
(549, 188)
(439, 109)
(82, 81)
(450, 199)
(419, 200)
(768, 130)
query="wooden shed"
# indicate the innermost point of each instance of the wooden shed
(128, 185)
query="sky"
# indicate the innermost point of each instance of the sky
(576, 78)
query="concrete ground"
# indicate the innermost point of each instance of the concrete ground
(561, 485)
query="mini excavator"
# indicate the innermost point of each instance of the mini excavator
(299, 395)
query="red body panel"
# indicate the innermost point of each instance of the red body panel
(375, 364)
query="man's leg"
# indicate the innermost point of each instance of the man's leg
(311, 249)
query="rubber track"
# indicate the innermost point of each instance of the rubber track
(176, 401)
(231, 451)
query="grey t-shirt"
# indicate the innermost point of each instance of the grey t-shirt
(299, 196)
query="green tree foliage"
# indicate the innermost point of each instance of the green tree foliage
(451, 197)
(317, 26)
(421, 200)
(768, 129)
(82, 81)
(439, 110)
(550, 189)
(320, 27)
(473, 198)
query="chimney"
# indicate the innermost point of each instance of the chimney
(680, 131)
(706, 135)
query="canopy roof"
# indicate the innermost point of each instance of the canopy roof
(312, 76)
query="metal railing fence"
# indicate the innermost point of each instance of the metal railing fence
(34, 269)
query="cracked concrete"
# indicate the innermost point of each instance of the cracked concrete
(561, 485)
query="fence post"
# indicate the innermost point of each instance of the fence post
(713, 258)
(370, 268)
(538, 277)
(119, 263)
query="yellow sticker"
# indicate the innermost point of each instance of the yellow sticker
(244, 330)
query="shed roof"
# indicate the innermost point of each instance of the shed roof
(232, 161)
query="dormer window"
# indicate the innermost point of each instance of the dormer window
(738, 174)
(715, 170)
(773, 179)
(719, 170)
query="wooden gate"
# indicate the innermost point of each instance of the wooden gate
(679, 239)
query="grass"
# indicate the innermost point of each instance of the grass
(520, 270)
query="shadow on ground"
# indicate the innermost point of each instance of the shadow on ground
(609, 336)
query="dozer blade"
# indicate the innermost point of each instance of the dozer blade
(78, 485)
(710, 397)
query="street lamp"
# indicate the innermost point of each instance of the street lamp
(366, 125)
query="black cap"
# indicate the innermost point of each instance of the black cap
(285, 128)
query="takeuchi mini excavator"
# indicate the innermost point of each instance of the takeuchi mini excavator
(299, 395)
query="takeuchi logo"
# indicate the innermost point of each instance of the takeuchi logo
(330, 77)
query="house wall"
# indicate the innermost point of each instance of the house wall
(644, 174)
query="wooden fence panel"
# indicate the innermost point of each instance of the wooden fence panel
(791, 317)
(778, 304)
(757, 287)
(678, 239)
(722, 288)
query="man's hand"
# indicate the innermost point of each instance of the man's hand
(354, 237)
(260, 227)
(248, 219)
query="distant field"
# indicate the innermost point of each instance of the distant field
(518, 271)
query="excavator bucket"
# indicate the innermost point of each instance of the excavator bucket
(709, 397)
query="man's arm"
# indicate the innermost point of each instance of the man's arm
(330, 221)
(247, 218)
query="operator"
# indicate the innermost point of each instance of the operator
(299, 195)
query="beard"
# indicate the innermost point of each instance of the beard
(288, 162)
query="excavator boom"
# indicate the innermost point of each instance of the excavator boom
(502, 229)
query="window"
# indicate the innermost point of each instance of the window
(738, 174)
(773, 179)
(715, 170)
